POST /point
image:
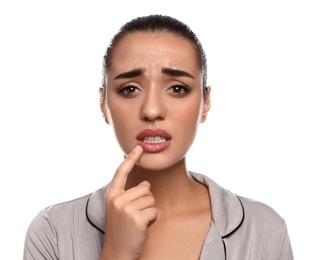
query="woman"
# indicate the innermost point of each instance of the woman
(155, 95)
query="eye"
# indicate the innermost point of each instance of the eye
(179, 89)
(128, 90)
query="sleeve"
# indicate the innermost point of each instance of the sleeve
(41, 239)
(283, 247)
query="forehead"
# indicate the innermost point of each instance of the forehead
(153, 49)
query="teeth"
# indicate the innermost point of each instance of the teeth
(154, 139)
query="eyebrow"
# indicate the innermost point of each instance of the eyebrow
(139, 71)
(130, 74)
(177, 73)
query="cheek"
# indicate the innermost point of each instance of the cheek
(186, 122)
(119, 118)
(123, 122)
(117, 111)
(189, 113)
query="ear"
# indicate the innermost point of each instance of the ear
(206, 105)
(102, 105)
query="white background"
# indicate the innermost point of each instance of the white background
(256, 142)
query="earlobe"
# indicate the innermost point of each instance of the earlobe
(206, 105)
(102, 105)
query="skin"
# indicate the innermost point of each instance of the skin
(152, 201)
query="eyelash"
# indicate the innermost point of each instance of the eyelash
(185, 88)
(123, 90)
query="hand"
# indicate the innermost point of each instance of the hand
(128, 213)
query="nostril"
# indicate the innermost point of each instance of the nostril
(152, 118)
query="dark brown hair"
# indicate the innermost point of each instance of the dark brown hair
(157, 23)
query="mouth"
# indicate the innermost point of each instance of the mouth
(154, 140)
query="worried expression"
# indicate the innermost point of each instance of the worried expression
(154, 96)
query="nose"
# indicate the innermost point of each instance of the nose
(153, 106)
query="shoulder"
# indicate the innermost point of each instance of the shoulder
(51, 216)
(68, 208)
(264, 221)
(232, 212)
(261, 214)
(263, 226)
(51, 224)
(227, 204)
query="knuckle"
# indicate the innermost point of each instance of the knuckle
(116, 202)
(150, 200)
(107, 198)
(153, 214)
(128, 209)
(144, 189)
(138, 221)
(153, 202)
(155, 211)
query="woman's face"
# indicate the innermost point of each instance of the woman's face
(154, 97)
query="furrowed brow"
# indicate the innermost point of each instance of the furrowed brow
(130, 74)
(177, 73)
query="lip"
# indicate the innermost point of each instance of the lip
(154, 147)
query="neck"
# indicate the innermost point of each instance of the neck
(171, 188)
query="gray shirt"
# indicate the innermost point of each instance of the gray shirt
(241, 229)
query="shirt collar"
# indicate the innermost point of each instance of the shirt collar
(227, 210)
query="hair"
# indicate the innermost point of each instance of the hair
(154, 24)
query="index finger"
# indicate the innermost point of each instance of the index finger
(120, 177)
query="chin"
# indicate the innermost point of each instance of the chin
(153, 162)
(152, 168)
